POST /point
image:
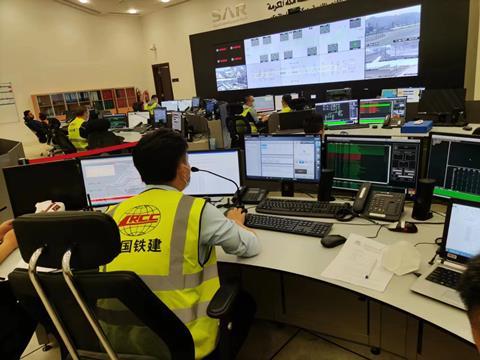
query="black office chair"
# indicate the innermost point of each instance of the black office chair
(61, 139)
(77, 306)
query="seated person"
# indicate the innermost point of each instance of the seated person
(470, 292)
(251, 122)
(8, 241)
(313, 124)
(177, 248)
(286, 101)
(99, 135)
(38, 127)
(78, 129)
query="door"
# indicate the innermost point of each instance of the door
(163, 81)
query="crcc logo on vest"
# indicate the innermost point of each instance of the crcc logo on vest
(229, 14)
(139, 220)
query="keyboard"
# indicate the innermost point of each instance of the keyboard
(445, 277)
(348, 127)
(292, 226)
(302, 208)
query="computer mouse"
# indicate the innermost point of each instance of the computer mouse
(405, 227)
(331, 241)
(375, 127)
(468, 128)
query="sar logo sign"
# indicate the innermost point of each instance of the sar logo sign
(139, 220)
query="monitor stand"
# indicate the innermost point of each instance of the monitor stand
(288, 188)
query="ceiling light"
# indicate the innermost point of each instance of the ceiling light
(132, 11)
(165, 1)
(84, 1)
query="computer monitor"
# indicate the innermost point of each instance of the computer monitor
(442, 101)
(183, 105)
(118, 121)
(454, 163)
(292, 120)
(139, 117)
(171, 105)
(389, 93)
(177, 121)
(264, 103)
(374, 111)
(283, 157)
(413, 94)
(195, 103)
(338, 112)
(210, 106)
(388, 163)
(110, 180)
(160, 116)
(59, 181)
(222, 162)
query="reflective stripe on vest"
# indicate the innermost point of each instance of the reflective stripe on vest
(79, 142)
(168, 224)
(253, 127)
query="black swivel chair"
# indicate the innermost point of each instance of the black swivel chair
(76, 306)
(61, 139)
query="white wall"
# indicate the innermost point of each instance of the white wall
(47, 47)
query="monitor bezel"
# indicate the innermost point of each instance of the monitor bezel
(255, 178)
(263, 110)
(355, 121)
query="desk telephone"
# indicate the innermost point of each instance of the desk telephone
(248, 195)
(387, 206)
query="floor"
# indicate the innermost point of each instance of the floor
(266, 341)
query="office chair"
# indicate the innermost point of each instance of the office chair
(61, 139)
(101, 315)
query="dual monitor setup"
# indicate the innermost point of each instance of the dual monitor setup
(391, 164)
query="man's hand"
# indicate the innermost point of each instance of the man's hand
(236, 215)
(6, 227)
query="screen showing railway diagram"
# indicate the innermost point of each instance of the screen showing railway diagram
(338, 112)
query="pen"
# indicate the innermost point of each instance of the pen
(371, 270)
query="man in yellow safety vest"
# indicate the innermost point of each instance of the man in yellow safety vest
(77, 129)
(169, 238)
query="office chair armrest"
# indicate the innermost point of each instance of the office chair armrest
(223, 301)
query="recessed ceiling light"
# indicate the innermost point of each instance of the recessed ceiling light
(165, 1)
(84, 1)
(132, 11)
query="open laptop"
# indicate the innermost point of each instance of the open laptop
(460, 243)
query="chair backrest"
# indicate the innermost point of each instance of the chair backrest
(99, 139)
(133, 318)
(61, 139)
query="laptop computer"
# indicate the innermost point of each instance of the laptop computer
(459, 244)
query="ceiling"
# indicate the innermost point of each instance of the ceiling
(106, 7)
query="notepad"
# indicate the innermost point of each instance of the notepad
(360, 263)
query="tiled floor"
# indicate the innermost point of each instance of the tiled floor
(266, 341)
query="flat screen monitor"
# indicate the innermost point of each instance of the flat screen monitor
(183, 105)
(389, 93)
(413, 95)
(223, 162)
(210, 106)
(139, 117)
(442, 101)
(390, 164)
(119, 121)
(171, 105)
(283, 157)
(59, 181)
(338, 112)
(375, 46)
(264, 103)
(160, 116)
(374, 111)
(454, 162)
(110, 180)
(278, 100)
(195, 102)
(177, 121)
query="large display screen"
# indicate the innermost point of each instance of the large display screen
(381, 45)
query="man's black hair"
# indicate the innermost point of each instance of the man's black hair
(313, 123)
(42, 116)
(154, 96)
(158, 154)
(245, 98)
(287, 99)
(469, 287)
(25, 113)
(82, 110)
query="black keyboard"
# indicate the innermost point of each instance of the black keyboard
(348, 127)
(292, 226)
(302, 208)
(445, 277)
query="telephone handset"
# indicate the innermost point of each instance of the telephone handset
(249, 195)
(387, 206)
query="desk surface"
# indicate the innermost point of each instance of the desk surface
(396, 131)
(305, 256)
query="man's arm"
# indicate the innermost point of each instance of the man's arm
(229, 233)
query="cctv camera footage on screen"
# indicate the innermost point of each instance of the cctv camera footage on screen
(382, 45)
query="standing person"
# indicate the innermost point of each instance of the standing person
(78, 130)
(152, 105)
(169, 240)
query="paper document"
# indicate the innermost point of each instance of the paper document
(360, 263)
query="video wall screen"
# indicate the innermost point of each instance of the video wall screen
(377, 46)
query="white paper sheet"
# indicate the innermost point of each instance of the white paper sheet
(360, 263)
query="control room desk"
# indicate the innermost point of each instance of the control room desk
(133, 136)
(285, 280)
(396, 131)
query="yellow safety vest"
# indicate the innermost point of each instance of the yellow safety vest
(286, 109)
(160, 232)
(241, 127)
(151, 108)
(79, 142)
